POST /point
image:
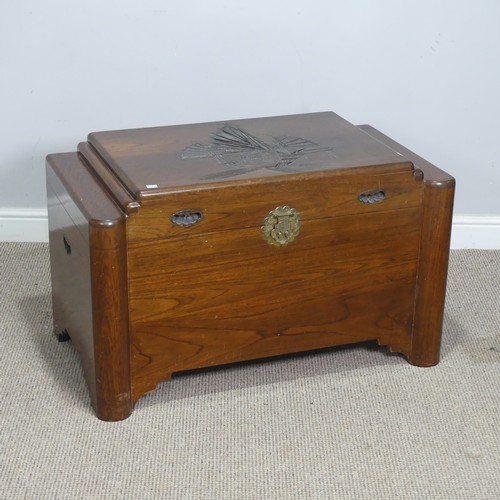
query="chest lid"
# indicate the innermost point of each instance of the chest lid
(150, 162)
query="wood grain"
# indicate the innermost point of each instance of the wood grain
(153, 156)
(246, 205)
(227, 296)
(90, 283)
(108, 179)
(439, 192)
(70, 274)
(142, 297)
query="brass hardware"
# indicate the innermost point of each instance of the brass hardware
(281, 226)
(370, 197)
(186, 217)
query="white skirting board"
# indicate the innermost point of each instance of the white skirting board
(469, 231)
(23, 224)
(476, 231)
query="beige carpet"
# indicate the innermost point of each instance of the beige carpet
(346, 423)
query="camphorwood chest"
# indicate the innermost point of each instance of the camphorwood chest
(174, 248)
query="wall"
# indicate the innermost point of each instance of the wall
(424, 72)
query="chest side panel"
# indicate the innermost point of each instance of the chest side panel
(70, 273)
(88, 266)
(201, 296)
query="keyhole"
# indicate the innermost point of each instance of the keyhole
(67, 246)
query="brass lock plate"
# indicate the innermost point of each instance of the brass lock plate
(281, 226)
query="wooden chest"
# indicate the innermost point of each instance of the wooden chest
(174, 248)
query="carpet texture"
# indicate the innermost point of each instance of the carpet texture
(352, 422)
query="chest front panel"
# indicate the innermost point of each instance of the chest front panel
(217, 292)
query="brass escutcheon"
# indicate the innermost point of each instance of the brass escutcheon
(281, 226)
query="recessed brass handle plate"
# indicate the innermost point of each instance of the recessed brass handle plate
(281, 226)
(187, 217)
